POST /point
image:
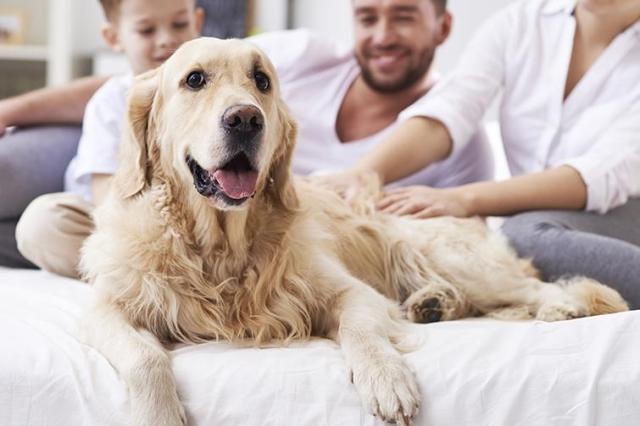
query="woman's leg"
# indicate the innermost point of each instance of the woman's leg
(52, 230)
(604, 247)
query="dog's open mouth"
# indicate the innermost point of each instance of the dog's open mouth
(235, 182)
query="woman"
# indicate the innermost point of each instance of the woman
(570, 120)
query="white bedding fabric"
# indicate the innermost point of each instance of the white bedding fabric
(473, 372)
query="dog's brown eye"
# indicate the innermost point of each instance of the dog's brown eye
(262, 81)
(195, 80)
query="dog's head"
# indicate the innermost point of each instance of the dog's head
(211, 117)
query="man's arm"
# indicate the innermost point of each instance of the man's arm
(56, 105)
(445, 119)
(418, 142)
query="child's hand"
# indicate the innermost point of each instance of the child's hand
(4, 121)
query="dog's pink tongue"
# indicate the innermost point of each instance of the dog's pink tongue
(237, 185)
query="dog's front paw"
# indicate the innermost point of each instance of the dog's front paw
(558, 311)
(157, 408)
(389, 388)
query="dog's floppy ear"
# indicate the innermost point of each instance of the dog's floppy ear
(280, 171)
(132, 175)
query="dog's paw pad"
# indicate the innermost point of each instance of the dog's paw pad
(426, 311)
(558, 312)
(389, 389)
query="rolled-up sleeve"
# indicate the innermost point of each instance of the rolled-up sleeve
(461, 99)
(611, 168)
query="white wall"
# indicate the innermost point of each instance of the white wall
(332, 18)
(88, 19)
(467, 17)
(270, 15)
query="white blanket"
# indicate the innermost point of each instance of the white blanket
(472, 372)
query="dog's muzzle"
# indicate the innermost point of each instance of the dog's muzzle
(243, 125)
(233, 183)
(236, 180)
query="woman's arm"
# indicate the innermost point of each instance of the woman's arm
(558, 188)
(64, 104)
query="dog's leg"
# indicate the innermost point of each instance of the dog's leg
(141, 361)
(495, 291)
(439, 300)
(367, 323)
(586, 296)
(562, 300)
(491, 277)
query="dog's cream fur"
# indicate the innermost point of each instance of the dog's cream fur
(170, 265)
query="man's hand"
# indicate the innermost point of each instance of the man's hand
(424, 202)
(349, 184)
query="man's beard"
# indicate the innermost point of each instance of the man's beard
(408, 79)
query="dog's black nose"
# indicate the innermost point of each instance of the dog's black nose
(245, 121)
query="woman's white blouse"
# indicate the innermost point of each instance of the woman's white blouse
(525, 50)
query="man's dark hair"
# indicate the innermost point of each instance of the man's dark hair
(441, 5)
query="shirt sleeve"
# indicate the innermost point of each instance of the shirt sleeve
(611, 167)
(101, 127)
(461, 99)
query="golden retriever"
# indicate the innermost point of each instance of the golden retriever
(206, 236)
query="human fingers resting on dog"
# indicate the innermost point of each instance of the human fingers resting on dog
(424, 202)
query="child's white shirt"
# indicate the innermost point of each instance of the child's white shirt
(101, 134)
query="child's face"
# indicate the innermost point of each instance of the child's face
(148, 32)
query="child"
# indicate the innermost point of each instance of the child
(52, 229)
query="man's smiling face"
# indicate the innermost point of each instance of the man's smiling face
(395, 41)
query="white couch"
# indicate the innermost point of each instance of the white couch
(473, 372)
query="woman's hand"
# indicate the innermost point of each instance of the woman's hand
(424, 202)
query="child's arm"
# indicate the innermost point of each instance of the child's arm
(63, 104)
(99, 187)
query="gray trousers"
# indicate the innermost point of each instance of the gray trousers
(563, 243)
(32, 163)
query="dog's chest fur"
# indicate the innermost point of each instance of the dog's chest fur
(208, 279)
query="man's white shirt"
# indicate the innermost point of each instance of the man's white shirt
(525, 51)
(315, 74)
